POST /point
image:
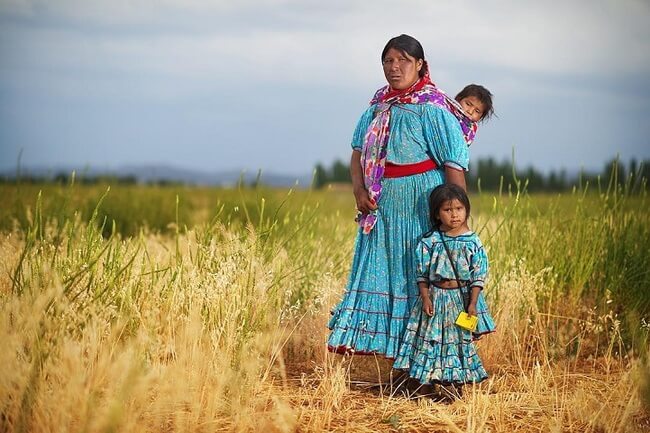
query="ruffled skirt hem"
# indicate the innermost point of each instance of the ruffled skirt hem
(435, 349)
(445, 364)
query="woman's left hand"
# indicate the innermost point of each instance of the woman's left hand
(471, 309)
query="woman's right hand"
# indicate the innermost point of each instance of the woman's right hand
(364, 203)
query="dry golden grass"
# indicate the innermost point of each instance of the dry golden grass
(198, 334)
(529, 390)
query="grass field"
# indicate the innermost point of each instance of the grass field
(173, 309)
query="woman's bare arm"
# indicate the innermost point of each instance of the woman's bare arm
(453, 175)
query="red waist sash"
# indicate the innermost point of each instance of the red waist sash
(398, 170)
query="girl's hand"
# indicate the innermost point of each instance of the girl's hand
(471, 309)
(427, 306)
(364, 204)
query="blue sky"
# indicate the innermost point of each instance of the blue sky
(279, 85)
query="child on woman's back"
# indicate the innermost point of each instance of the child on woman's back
(472, 105)
(476, 102)
(451, 266)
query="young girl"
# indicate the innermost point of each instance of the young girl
(471, 106)
(435, 350)
(476, 102)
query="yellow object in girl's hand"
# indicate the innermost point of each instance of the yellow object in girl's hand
(466, 321)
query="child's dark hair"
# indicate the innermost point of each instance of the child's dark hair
(441, 194)
(480, 93)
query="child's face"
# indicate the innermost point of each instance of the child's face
(473, 107)
(452, 214)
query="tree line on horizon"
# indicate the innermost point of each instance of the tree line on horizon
(487, 174)
(63, 178)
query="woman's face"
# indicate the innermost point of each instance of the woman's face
(400, 69)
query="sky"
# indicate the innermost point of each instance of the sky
(279, 85)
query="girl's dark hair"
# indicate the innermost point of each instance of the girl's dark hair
(480, 93)
(406, 44)
(441, 194)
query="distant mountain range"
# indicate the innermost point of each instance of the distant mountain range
(165, 173)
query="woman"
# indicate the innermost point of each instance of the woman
(405, 144)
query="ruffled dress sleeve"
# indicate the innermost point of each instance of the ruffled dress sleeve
(362, 128)
(423, 255)
(478, 266)
(444, 138)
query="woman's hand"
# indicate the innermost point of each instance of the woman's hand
(427, 306)
(364, 203)
(471, 309)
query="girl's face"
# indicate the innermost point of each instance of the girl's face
(473, 107)
(400, 69)
(452, 214)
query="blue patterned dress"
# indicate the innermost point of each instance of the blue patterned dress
(382, 287)
(435, 349)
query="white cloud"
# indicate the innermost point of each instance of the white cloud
(557, 37)
(176, 48)
(149, 52)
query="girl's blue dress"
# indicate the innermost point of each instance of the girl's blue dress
(382, 287)
(435, 349)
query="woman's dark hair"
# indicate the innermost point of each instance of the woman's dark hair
(441, 194)
(406, 44)
(480, 93)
